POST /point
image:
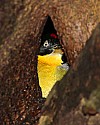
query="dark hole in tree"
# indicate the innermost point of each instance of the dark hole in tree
(48, 28)
(48, 70)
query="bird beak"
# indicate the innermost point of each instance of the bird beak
(57, 46)
(59, 51)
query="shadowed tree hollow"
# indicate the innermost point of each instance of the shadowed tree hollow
(48, 27)
(22, 24)
(76, 98)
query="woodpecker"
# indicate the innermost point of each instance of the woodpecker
(51, 67)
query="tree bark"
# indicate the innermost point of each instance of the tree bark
(75, 100)
(20, 94)
(21, 25)
(71, 19)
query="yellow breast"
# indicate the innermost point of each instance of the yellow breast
(49, 71)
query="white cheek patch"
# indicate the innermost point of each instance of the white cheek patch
(46, 43)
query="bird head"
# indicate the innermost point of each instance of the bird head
(49, 43)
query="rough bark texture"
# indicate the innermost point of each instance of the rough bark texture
(20, 94)
(21, 24)
(74, 20)
(66, 103)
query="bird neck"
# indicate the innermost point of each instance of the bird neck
(53, 59)
(47, 70)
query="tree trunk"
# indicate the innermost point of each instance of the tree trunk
(21, 25)
(75, 100)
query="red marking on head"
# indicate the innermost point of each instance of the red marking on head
(53, 35)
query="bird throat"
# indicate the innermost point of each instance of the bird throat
(47, 71)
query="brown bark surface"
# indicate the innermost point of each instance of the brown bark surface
(67, 104)
(73, 20)
(21, 24)
(20, 94)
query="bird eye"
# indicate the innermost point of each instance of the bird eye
(46, 44)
